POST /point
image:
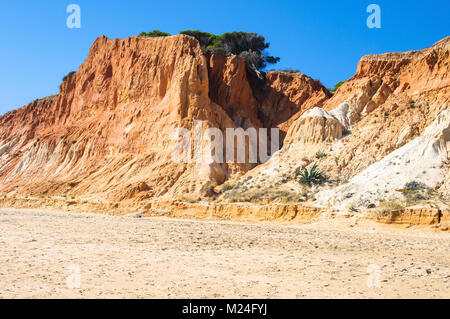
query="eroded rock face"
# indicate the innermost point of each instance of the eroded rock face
(110, 130)
(287, 96)
(315, 126)
(230, 88)
(391, 100)
(417, 75)
(275, 100)
(378, 115)
(422, 162)
(112, 123)
(108, 135)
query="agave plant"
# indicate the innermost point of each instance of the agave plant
(320, 154)
(312, 176)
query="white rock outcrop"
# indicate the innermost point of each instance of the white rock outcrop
(424, 160)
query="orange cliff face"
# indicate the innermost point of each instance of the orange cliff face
(274, 101)
(108, 134)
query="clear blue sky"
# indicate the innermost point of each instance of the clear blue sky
(323, 39)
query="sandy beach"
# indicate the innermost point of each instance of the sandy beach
(128, 257)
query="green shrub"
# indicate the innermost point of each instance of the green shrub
(249, 46)
(292, 71)
(411, 101)
(310, 177)
(414, 186)
(154, 33)
(337, 86)
(227, 187)
(320, 154)
(209, 191)
(204, 38)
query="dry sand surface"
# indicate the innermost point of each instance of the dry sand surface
(166, 258)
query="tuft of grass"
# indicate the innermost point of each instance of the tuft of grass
(391, 205)
(227, 187)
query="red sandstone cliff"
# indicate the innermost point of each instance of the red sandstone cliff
(108, 134)
(107, 137)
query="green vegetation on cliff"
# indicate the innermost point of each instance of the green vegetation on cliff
(337, 86)
(154, 33)
(250, 46)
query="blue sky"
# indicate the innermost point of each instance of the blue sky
(323, 39)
